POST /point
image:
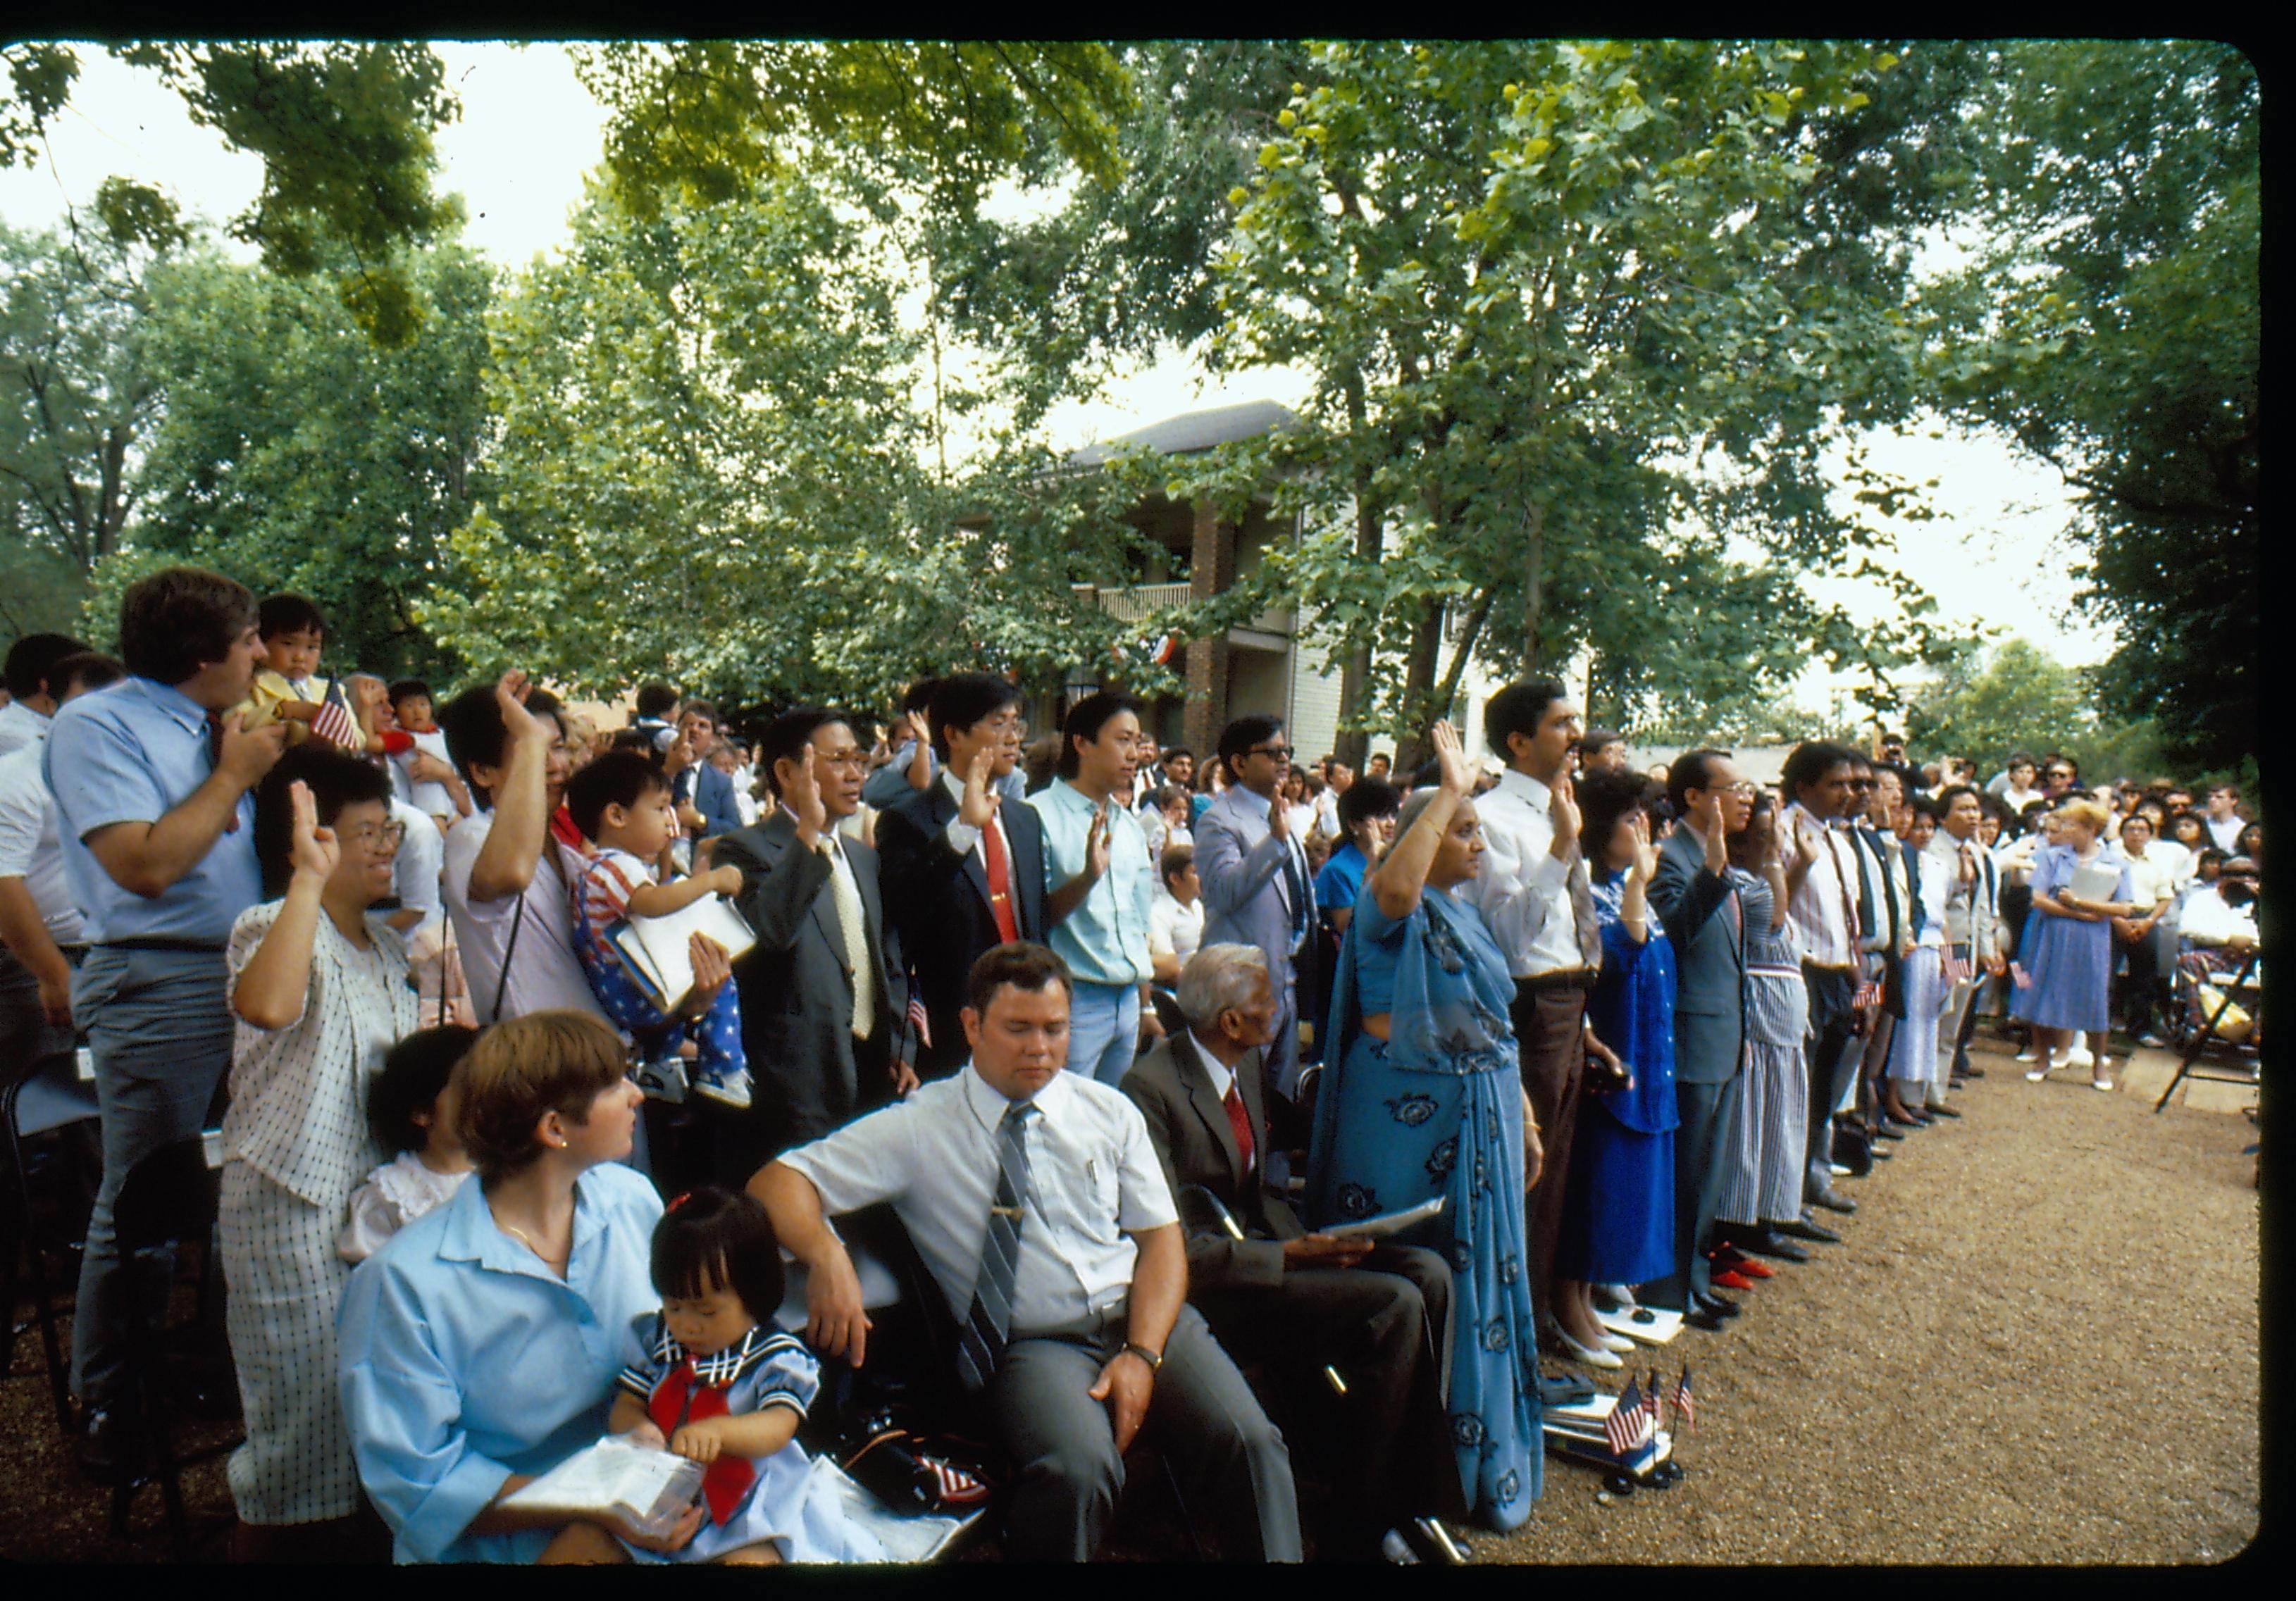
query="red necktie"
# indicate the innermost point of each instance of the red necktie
(1000, 883)
(681, 1399)
(1239, 1120)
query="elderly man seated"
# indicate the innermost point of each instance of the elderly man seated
(1296, 1301)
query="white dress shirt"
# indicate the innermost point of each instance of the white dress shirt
(1174, 929)
(1820, 909)
(1094, 1178)
(2209, 918)
(1524, 889)
(963, 839)
(21, 725)
(29, 847)
(2225, 835)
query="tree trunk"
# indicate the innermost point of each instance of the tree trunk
(1471, 629)
(1411, 747)
(1353, 745)
(1534, 587)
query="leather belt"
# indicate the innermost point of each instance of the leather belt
(1562, 979)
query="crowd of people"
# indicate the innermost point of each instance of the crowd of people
(1144, 1050)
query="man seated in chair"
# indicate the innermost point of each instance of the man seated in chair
(1036, 1199)
(1374, 1313)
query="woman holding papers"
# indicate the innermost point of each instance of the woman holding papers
(2079, 886)
(1422, 1099)
(480, 1344)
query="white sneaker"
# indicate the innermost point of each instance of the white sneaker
(733, 1090)
(663, 1080)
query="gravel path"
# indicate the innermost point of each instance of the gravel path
(2036, 1342)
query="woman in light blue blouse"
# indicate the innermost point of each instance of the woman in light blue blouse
(479, 1346)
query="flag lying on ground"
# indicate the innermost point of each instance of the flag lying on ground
(1624, 1427)
(1685, 1415)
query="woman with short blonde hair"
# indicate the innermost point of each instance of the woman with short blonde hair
(2066, 954)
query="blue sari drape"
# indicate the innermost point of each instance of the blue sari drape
(1438, 1110)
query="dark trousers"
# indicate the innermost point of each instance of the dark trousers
(1383, 1326)
(1549, 1033)
(1833, 1054)
(1705, 1111)
(1201, 1413)
(2142, 982)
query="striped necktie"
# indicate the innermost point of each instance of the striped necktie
(980, 1343)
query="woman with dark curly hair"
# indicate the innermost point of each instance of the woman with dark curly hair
(1423, 1101)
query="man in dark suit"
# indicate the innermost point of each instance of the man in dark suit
(962, 874)
(1297, 1301)
(1698, 906)
(819, 995)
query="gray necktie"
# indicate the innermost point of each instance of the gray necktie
(980, 1343)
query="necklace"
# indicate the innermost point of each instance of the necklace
(527, 1242)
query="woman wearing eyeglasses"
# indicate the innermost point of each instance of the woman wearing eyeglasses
(319, 988)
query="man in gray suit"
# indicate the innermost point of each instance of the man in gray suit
(1274, 1294)
(1698, 906)
(819, 1000)
(1254, 875)
(1973, 917)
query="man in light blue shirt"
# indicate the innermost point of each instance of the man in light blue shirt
(1099, 882)
(151, 783)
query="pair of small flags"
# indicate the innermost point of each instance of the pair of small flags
(1637, 1417)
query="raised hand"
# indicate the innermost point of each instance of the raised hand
(1451, 757)
(311, 850)
(510, 691)
(1095, 840)
(804, 796)
(919, 728)
(1713, 833)
(1805, 844)
(979, 806)
(1644, 866)
(246, 753)
(1562, 806)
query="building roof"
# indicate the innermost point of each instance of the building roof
(1192, 431)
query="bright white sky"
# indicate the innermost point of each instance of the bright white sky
(1996, 554)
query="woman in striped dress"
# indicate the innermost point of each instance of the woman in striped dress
(319, 987)
(1765, 1183)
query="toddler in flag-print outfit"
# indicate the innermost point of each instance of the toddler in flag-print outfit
(622, 802)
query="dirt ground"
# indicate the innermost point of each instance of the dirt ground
(2038, 1342)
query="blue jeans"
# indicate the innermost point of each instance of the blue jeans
(1104, 1030)
(159, 1028)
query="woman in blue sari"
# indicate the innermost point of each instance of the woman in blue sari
(1422, 1098)
(1618, 1210)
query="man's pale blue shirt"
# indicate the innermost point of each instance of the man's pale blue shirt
(1105, 940)
(465, 1361)
(132, 753)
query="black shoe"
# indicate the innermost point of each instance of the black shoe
(1774, 1244)
(1717, 1303)
(110, 1446)
(1824, 1195)
(1698, 1317)
(1971, 1071)
(1802, 1228)
(1886, 1130)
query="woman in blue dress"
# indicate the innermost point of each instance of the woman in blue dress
(1617, 1213)
(1421, 1098)
(2067, 951)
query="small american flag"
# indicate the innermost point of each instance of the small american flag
(1685, 1414)
(1955, 969)
(1869, 993)
(1623, 1428)
(1652, 1399)
(917, 1021)
(957, 1486)
(334, 725)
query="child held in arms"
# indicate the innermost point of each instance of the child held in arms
(411, 707)
(622, 803)
(290, 689)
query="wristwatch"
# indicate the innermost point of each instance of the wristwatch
(1154, 1359)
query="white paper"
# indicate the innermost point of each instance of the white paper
(1388, 1222)
(917, 1538)
(648, 1489)
(2097, 881)
(656, 947)
(1660, 1330)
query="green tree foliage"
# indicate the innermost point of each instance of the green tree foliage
(718, 462)
(1584, 319)
(2111, 324)
(2012, 697)
(295, 454)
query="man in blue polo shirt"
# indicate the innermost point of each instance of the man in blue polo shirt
(157, 825)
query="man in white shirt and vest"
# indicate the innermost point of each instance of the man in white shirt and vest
(1036, 1200)
(1534, 897)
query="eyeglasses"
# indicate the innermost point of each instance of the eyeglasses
(855, 757)
(367, 835)
(1282, 753)
(2061, 773)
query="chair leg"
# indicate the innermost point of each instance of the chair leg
(1180, 1506)
(34, 1252)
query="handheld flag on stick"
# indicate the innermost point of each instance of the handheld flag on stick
(1685, 1414)
(1652, 1399)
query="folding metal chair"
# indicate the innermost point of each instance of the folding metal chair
(46, 1096)
(2199, 1041)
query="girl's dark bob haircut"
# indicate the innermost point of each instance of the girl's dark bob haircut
(710, 1239)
